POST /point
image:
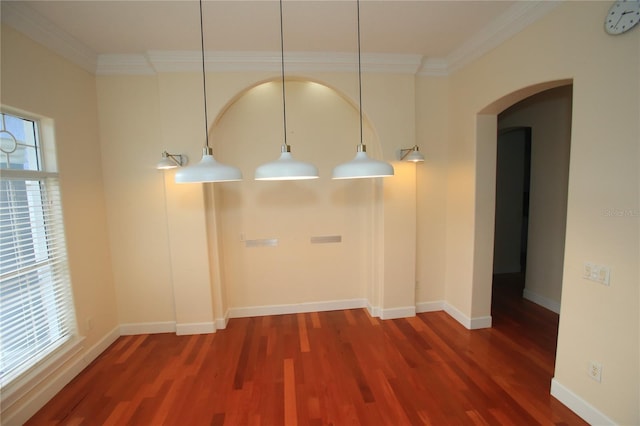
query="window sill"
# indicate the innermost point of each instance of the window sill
(22, 385)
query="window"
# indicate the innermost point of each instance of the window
(37, 317)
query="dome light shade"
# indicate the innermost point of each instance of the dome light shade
(166, 164)
(171, 161)
(412, 154)
(362, 167)
(286, 168)
(208, 170)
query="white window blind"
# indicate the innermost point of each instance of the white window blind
(36, 307)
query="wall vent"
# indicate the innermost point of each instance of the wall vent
(326, 239)
(265, 242)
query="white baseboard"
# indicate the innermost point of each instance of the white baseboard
(195, 328)
(394, 313)
(422, 307)
(480, 322)
(221, 323)
(582, 408)
(543, 301)
(60, 379)
(172, 327)
(374, 311)
(147, 328)
(258, 311)
(96, 350)
(469, 323)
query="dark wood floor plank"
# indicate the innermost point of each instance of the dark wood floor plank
(327, 368)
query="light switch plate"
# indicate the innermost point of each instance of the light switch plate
(597, 273)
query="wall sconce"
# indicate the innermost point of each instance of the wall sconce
(411, 154)
(171, 161)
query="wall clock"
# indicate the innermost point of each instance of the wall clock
(623, 15)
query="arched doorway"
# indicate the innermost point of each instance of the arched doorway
(534, 138)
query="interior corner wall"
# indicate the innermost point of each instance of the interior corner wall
(548, 114)
(603, 196)
(38, 82)
(135, 196)
(431, 196)
(398, 290)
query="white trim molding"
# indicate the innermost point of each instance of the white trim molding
(422, 307)
(25, 19)
(147, 328)
(296, 308)
(469, 323)
(195, 328)
(543, 301)
(162, 61)
(172, 327)
(514, 20)
(22, 17)
(61, 377)
(129, 64)
(221, 323)
(374, 311)
(582, 408)
(395, 313)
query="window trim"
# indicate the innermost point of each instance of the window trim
(40, 371)
(49, 365)
(28, 174)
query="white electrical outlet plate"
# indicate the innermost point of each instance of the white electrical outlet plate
(598, 273)
(595, 371)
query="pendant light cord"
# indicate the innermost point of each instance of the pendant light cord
(359, 72)
(204, 82)
(284, 101)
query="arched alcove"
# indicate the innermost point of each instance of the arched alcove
(260, 232)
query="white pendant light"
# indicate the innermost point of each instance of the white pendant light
(285, 167)
(362, 166)
(208, 169)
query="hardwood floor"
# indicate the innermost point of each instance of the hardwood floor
(328, 368)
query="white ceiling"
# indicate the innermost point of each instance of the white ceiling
(431, 30)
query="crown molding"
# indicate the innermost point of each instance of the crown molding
(434, 67)
(124, 64)
(191, 61)
(20, 16)
(514, 20)
(26, 20)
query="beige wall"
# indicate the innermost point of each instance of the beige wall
(432, 94)
(135, 198)
(549, 116)
(202, 270)
(596, 322)
(38, 82)
(319, 131)
(168, 244)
